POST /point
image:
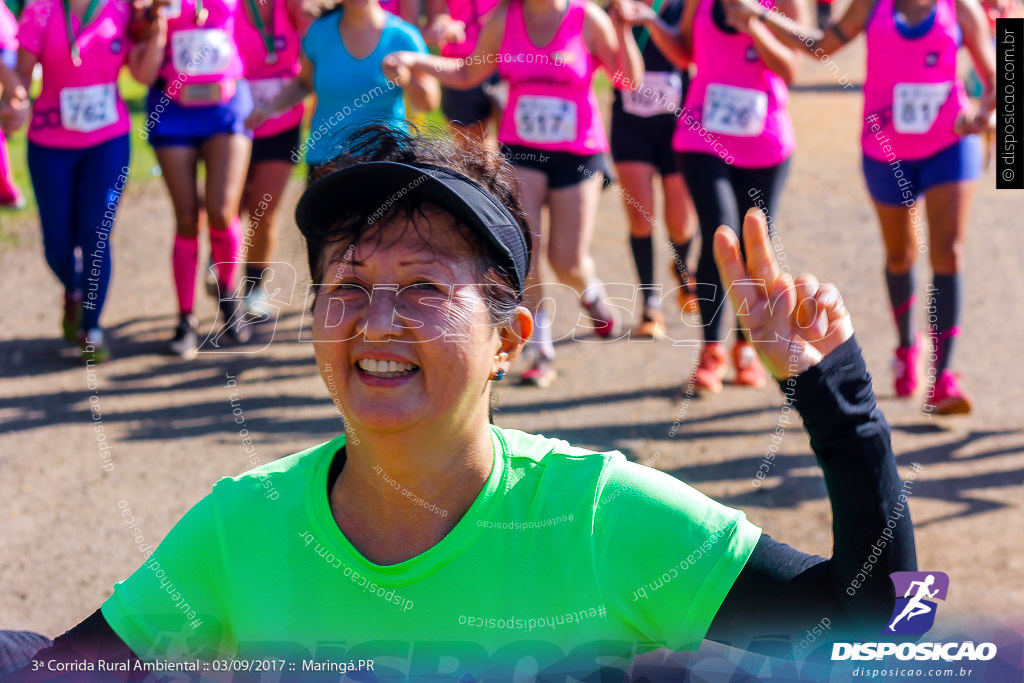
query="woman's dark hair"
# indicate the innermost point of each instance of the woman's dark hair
(381, 142)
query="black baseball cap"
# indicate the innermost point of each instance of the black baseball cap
(386, 183)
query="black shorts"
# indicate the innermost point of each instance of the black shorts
(281, 147)
(468, 107)
(563, 169)
(645, 140)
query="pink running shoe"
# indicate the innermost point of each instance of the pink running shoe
(904, 368)
(605, 318)
(946, 397)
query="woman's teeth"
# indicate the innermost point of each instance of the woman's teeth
(385, 368)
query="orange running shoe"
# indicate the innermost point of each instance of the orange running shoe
(711, 369)
(652, 324)
(749, 371)
(686, 294)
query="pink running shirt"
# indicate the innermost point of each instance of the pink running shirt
(736, 100)
(203, 54)
(268, 75)
(472, 13)
(911, 94)
(551, 101)
(79, 106)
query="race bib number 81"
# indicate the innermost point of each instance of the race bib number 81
(735, 111)
(88, 108)
(201, 51)
(916, 105)
(545, 119)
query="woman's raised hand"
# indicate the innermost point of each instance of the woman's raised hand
(792, 324)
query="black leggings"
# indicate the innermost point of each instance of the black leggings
(722, 194)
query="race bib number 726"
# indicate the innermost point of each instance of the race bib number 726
(735, 111)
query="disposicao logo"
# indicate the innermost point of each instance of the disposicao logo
(914, 614)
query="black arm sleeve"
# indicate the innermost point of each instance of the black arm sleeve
(782, 591)
(90, 641)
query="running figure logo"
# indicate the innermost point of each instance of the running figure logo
(914, 612)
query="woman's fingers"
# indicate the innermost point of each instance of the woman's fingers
(743, 292)
(761, 262)
(805, 287)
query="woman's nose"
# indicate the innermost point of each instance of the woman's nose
(379, 323)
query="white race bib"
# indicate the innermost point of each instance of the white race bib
(660, 93)
(545, 119)
(915, 106)
(735, 111)
(201, 51)
(264, 90)
(172, 10)
(88, 108)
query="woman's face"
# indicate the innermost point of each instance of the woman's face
(402, 334)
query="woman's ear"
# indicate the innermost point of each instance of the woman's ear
(514, 335)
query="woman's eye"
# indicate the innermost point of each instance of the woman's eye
(424, 286)
(347, 289)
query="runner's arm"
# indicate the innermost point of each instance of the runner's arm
(409, 10)
(781, 589)
(437, 19)
(301, 18)
(17, 105)
(813, 41)
(92, 640)
(977, 38)
(461, 74)
(781, 58)
(610, 39)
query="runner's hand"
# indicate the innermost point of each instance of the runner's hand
(147, 19)
(257, 118)
(631, 12)
(792, 325)
(397, 68)
(454, 32)
(14, 114)
(739, 13)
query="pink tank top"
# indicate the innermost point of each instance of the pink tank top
(201, 54)
(735, 105)
(78, 106)
(392, 7)
(269, 72)
(551, 104)
(912, 95)
(473, 14)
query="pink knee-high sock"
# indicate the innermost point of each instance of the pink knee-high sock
(226, 249)
(8, 190)
(185, 261)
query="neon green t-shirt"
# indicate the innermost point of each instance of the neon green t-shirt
(567, 560)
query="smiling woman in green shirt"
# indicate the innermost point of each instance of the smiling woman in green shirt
(436, 544)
